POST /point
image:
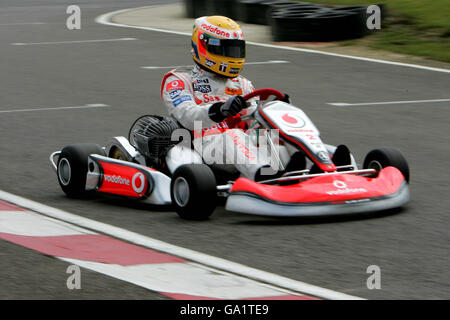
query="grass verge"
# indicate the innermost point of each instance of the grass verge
(414, 27)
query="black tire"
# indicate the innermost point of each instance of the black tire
(227, 8)
(72, 167)
(316, 25)
(254, 11)
(198, 8)
(359, 26)
(384, 157)
(193, 191)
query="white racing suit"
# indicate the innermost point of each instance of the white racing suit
(188, 94)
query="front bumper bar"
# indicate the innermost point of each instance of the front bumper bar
(253, 204)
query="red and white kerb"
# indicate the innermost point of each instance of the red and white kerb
(156, 271)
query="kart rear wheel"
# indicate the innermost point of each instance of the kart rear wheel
(72, 167)
(384, 157)
(193, 191)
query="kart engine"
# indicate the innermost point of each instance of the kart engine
(151, 136)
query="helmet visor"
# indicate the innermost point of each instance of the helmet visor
(231, 48)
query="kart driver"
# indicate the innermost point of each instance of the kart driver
(212, 93)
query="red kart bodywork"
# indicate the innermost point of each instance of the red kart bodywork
(124, 178)
(323, 195)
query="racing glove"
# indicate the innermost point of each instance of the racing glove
(219, 111)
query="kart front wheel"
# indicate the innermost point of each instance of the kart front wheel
(72, 167)
(193, 191)
(384, 157)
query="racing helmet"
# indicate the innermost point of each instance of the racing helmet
(218, 45)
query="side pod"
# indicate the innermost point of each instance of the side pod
(128, 179)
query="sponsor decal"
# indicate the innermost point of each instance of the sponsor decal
(322, 155)
(220, 125)
(174, 93)
(301, 130)
(232, 91)
(241, 145)
(123, 180)
(215, 30)
(138, 182)
(199, 81)
(214, 42)
(116, 179)
(194, 47)
(174, 85)
(203, 88)
(357, 201)
(238, 35)
(207, 98)
(217, 128)
(210, 63)
(340, 184)
(343, 189)
(235, 70)
(223, 66)
(292, 120)
(181, 100)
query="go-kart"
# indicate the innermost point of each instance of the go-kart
(153, 167)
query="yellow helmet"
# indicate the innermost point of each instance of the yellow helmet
(218, 45)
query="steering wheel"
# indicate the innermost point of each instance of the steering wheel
(264, 94)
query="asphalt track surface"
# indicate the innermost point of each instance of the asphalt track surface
(410, 246)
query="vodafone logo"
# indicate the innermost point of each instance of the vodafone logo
(343, 189)
(215, 30)
(175, 85)
(117, 179)
(138, 182)
(340, 184)
(292, 120)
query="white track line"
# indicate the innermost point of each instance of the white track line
(343, 104)
(88, 106)
(268, 62)
(191, 65)
(204, 259)
(65, 42)
(106, 20)
(21, 23)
